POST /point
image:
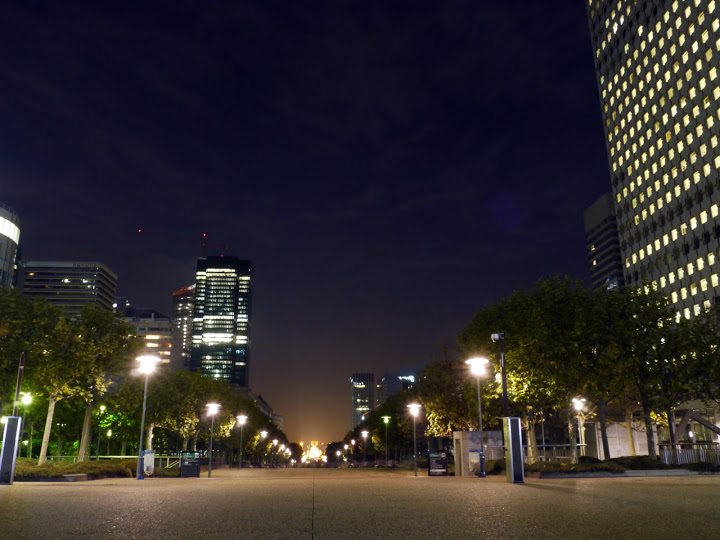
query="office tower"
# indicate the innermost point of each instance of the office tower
(391, 383)
(221, 319)
(657, 70)
(70, 284)
(9, 240)
(155, 329)
(363, 397)
(603, 244)
(183, 302)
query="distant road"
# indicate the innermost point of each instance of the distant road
(336, 504)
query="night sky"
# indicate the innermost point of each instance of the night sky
(389, 169)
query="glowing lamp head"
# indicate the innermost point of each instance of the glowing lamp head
(147, 363)
(275, 441)
(241, 419)
(263, 434)
(364, 434)
(102, 408)
(213, 408)
(337, 453)
(346, 446)
(352, 441)
(26, 399)
(109, 433)
(386, 419)
(282, 447)
(579, 404)
(414, 408)
(477, 365)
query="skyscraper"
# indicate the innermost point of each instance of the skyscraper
(362, 389)
(221, 319)
(183, 303)
(155, 329)
(70, 284)
(603, 245)
(657, 69)
(9, 240)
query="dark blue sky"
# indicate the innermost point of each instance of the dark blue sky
(388, 170)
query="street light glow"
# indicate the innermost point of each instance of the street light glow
(364, 434)
(477, 365)
(386, 419)
(147, 363)
(263, 434)
(579, 403)
(213, 408)
(26, 399)
(414, 408)
(241, 419)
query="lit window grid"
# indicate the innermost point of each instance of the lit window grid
(657, 152)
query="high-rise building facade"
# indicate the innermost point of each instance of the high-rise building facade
(657, 66)
(9, 241)
(221, 319)
(155, 329)
(183, 304)
(603, 244)
(391, 383)
(70, 284)
(362, 391)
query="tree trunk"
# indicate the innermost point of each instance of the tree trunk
(573, 440)
(185, 442)
(628, 422)
(86, 434)
(531, 438)
(48, 427)
(671, 424)
(603, 428)
(648, 429)
(148, 440)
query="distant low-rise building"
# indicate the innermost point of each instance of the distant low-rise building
(391, 383)
(156, 331)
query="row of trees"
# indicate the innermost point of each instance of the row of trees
(626, 348)
(83, 361)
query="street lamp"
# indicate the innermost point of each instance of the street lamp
(212, 411)
(274, 452)
(500, 337)
(109, 435)
(414, 410)
(263, 434)
(241, 418)
(26, 400)
(477, 367)
(352, 449)
(579, 405)
(147, 366)
(386, 419)
(102, 410)
(364, 436)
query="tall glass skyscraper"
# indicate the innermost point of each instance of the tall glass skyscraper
(363, 396)
(221, 319)
(183, 305)
(9, 240)
(657, 66)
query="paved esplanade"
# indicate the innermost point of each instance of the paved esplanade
(330, 503)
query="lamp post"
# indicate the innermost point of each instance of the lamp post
(500, 338)
(386, 419)
(352, 449)
(414, 410)
(263, 434)
(26, 400)
(147, 366)
(241, 420)
(477, 367)
(274, 452)
(102, 410)
(109, 434)
(579, 405)
(212, 411)
(364, 434)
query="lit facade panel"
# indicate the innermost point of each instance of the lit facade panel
(657, 66)
(183, 303)
(154, 329)
(362, 395)
(70, 284)
(220, 344)
(9, 241)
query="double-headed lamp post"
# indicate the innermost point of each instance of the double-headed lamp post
(147, 366)
(414, 410)
(241, 419)
(263, 434)
(477, 367)
(213, 408)
(579, 405)
(386, 419)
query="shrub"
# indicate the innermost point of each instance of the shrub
(172, 472)
(640, 463)
(702, 467)
(495, 466)
(570, 468)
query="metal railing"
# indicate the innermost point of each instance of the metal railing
(684, 453)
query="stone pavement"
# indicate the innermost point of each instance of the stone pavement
(336, 504)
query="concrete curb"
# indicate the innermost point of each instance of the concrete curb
(603, 474)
